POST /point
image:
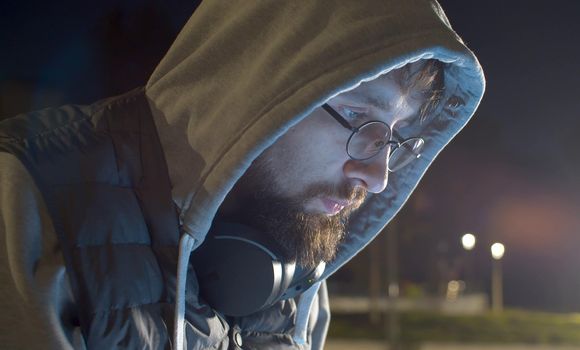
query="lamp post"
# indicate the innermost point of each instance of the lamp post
(468, 241)
(497, 252)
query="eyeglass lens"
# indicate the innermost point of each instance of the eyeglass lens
(369, 140)
(407, 152)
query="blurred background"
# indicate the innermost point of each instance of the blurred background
(510, 177)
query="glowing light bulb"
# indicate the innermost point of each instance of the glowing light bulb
(497, 250)
(468, 241)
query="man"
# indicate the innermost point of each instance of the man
(280, 117)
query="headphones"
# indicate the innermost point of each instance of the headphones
(241, 270)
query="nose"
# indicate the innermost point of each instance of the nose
(372, 173)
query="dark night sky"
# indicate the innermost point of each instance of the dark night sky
(510, 176)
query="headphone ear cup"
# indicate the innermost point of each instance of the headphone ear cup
(237, 274)
(288, 277)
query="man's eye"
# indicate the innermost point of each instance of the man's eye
(350, 114)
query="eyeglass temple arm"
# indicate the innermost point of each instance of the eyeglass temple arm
(338, 117)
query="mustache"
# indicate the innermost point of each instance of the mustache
(354, 195)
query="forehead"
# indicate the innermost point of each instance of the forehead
(384, 96)
(379, 92)
(387, 88)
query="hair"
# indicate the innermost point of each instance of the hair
(423, 80)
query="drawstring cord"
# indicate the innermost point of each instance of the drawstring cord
(185, 247)
(303, 313)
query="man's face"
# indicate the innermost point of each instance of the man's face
(302, 189)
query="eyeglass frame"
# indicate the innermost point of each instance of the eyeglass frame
(342, 121)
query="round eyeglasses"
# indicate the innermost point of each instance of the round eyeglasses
(369, 139)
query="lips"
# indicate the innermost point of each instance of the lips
(333, 206)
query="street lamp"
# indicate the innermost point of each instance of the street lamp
(468, 241)
(497, 252)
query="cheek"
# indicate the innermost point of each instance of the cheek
(322, 134)
(312, 151)
(294, 165)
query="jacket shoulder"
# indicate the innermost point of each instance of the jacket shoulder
(39, 123)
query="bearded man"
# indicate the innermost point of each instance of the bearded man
(206, 209)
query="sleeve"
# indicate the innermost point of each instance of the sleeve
(35, 297)
(322, 319)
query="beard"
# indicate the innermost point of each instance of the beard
(306, 238)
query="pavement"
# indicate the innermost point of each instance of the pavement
(339, 344)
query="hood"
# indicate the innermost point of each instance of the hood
(241, 73)
(248, 71)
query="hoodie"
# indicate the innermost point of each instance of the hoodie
(250, 71)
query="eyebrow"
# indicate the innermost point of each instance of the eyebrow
(377, 103)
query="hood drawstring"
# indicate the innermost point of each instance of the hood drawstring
(185, 247)
(303, 313)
